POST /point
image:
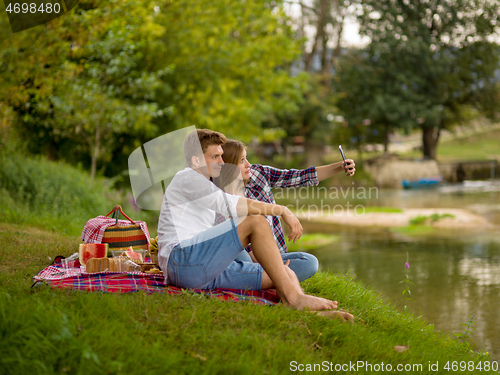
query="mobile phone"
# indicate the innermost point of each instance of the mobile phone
(343, 156)
(341, 152)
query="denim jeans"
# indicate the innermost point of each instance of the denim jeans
(207, 261)
(304, 265)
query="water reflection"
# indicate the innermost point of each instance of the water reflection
(481, 271)
(481, 197)
(454, 275)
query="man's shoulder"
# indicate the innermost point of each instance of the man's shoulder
(186, 179)
(188, 174)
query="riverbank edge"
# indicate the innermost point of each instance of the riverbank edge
(459, 219)
(138, 333)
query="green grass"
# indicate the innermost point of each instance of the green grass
(383, 209)
(45, 331)
(423, 220)
(56, 196)
(312, 241)
(414, 230)
(421, 225)
(48, 194)
(482, 146)
(477, 147)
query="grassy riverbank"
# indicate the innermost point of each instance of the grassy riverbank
(460, 145)
(44, 206)
(57, 196)
(480, 146)
(48, 331)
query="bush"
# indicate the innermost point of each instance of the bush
(49, 194)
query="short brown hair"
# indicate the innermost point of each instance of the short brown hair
(203, 138)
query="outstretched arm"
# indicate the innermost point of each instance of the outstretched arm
(329, 170)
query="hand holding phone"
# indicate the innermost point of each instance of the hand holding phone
(348, 170)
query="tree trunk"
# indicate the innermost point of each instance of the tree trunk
(52, 150)
(288, 154)
(95, 154)
(314, 153)
(320, 34)
(430, 138)
(386, 140)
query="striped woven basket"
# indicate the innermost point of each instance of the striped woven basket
(121, 237)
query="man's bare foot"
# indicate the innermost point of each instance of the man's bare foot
(311, 303)
(342, 315)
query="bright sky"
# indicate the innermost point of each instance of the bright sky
(350, 35)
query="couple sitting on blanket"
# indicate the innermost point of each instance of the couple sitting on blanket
(195, 253)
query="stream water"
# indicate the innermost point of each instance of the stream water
(455, 273)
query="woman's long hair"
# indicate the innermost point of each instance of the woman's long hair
(233, 151)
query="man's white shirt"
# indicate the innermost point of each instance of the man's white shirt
(189, 207)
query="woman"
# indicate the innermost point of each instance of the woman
(256, 182)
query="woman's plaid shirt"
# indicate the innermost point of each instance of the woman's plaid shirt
(263, 178)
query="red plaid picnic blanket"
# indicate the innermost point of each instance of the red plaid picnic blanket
(113, 282)
(94, 228)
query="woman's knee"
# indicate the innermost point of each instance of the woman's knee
(304, 265)
(312, 262)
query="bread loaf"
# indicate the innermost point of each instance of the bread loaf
(97, 265)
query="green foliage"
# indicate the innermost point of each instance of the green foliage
(476, 147)
(383, 209)
(464, 336)
(419, 220)
(319, 27)
(47, 331)
(48, 194)
(406, 281)
(78, 84)
(414, 230)
(106, 92)
(422, 219)
(92, 86)
(371, 99)
(312, 241)
(311, 121)
(231, 61)
(436, 56)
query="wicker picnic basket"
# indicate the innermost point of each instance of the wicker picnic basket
(121, 237)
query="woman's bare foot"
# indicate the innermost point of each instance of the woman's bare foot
(342, 315)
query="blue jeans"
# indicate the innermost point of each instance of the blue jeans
(207, 261)
(304, 265)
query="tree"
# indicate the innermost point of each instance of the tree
(113, 74)
(327, 18)
(84, 87)
(107, 91)
(443, 54)
(231, 60)
(371, 97)
(322, 45)
(30, 64)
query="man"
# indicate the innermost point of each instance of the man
(195, 254)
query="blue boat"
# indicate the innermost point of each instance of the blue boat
(422, 183)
